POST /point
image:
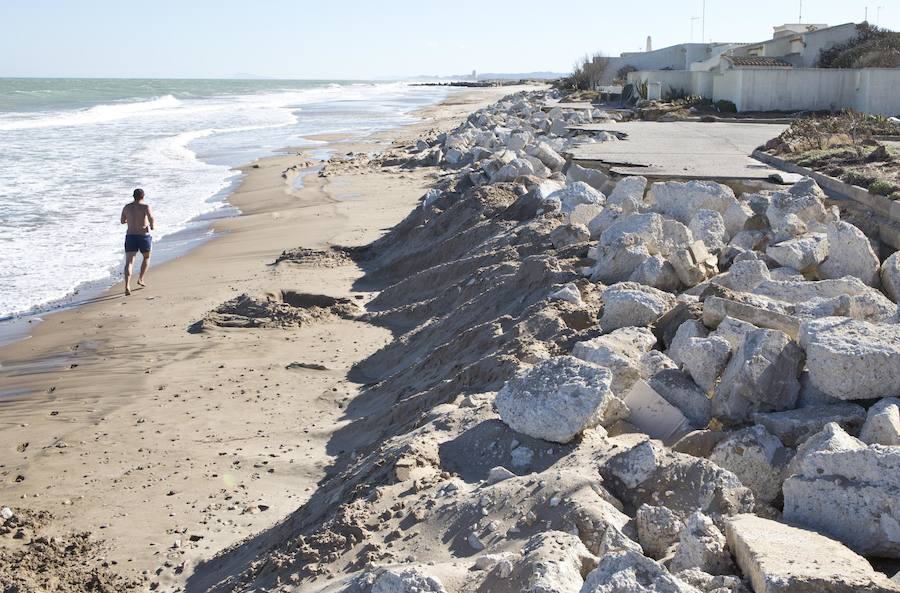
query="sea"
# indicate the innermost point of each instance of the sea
(72, 151)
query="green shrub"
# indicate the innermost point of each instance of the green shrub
(880, 187)
(895, 196)
(725, 106)
(857, 178)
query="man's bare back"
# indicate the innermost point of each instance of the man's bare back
(137, 216)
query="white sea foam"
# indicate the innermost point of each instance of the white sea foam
(66, 173)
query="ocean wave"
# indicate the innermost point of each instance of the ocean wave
(93, 115)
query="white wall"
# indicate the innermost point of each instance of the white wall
(869, 90)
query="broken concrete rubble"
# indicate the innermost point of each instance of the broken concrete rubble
(843, 488)
(850, 359)
(757, 458)
(631, 304)
(762, 375)
(793, 427)
(882, 424)
(777, 558)
(558, 398)
(701, 546)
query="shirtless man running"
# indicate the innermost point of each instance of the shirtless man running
(139, 219)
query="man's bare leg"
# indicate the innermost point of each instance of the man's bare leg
(129, 263)
(145, 263)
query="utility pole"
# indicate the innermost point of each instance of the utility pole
(878, 15)
(800, 18)
(866, 20)
(703, 30)
(693, 18)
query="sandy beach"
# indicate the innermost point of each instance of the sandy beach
(169, 446)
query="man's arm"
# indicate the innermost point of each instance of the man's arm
(124, 218)
(150, 217)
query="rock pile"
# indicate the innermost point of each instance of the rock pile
(536, 303)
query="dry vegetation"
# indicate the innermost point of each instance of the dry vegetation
(844, 145)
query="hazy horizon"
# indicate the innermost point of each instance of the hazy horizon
(281, 39)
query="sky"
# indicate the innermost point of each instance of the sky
(368, 39)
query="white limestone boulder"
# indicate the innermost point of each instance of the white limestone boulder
(890, 276)
(547, 155)
(559, 398)
(802, 253)
(680, 391)
(850, 254)
(845, 489)
(882, 425)
(762, 375)
(649, 473)
(629, 190)
(631, 304)
(577, 193)
(757, 458)
(702, 546)
(551, 562)
(620, 351)
(658, 529)
(709, 226)
(800, 208)
(682, 200)
(850, 359)
(631, 572)
(568, 293)
(571, 233)
(593, 177)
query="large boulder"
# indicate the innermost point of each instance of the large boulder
(682, 200)
(629, 190)
(757, 458)
(551, 562)
(709, 226)
(396, 580)
(777, 558)
(890, 276)
(631, 304)
(620, 351)
(882, 425)
(702, 546)
(575, 194)
(850, 359)
(845, 489)
(850, 254)
(617, 261)
(558, 398)
(648, 473)
(593, 177)
(658, 529)
(545, 153)
(762, 375)
(800, 208)
(631, 572)
(802, 253)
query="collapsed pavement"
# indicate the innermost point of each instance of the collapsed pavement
(603, 385)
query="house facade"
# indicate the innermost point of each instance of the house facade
(780, 74)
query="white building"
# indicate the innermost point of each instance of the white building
(779, 74)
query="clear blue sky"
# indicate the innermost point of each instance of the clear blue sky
(371, 38)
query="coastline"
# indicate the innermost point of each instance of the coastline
(112, 405)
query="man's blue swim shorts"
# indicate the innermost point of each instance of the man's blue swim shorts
(138, 243)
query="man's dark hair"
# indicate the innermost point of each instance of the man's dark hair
(138, 194)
